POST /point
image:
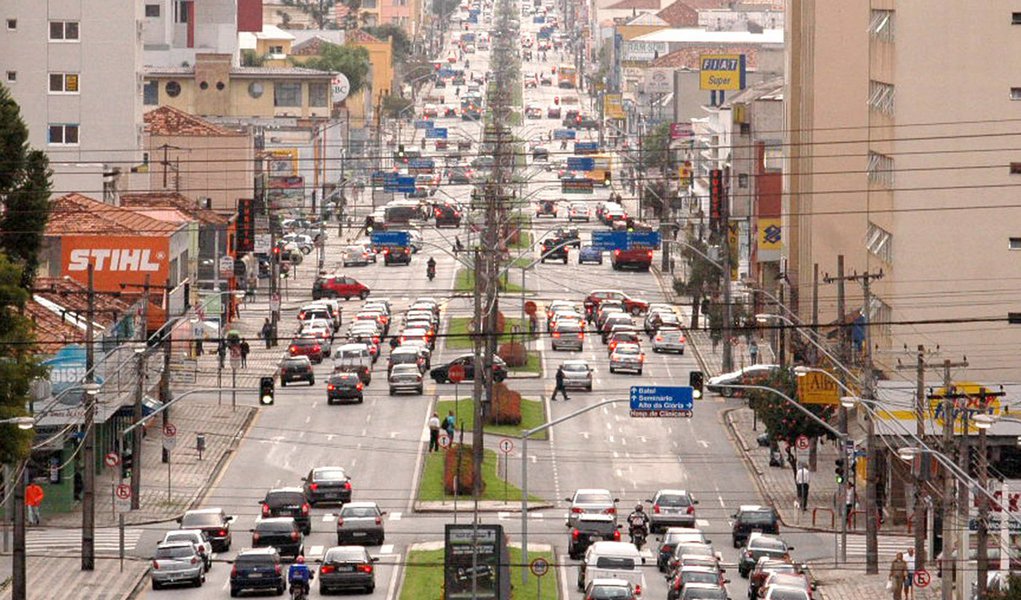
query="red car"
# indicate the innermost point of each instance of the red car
(339, 286)
(631, 305)
(306, 346)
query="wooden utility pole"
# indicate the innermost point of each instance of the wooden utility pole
(136, 436)
(90, 399)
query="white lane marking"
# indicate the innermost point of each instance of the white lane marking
(329, 437)
(583, 434)
(722, 503)
(363, 432)
(329, 518)
(308, 418)
(609, 438)
(503, 515)
(623, 441)
(301, 434)
(533, 458)
(368, 418)
(315, 551)
(393, 434)
(669, 430)
(386, 549)
(616, 454)
(353, 461)
(702, 522)
(315, 403)
(642, 439)
(619, 472)
(396, 516)
(536, 515)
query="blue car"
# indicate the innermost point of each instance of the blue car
(590, 254)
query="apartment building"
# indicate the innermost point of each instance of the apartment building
(902, 129)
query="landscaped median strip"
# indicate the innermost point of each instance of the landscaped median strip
(423, 575)
(533, 414)
(430, 488)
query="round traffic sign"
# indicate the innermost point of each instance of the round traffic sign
(506, 446)
(112, 459)
(444, 441)
(169, 430)
(539, 567)
(123, 491)
(455, 373)
(922, 578)
(530, 308)
(802, 442)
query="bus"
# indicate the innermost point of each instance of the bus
(602, 169)
(567, 76)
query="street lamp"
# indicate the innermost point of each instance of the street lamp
(19, 422)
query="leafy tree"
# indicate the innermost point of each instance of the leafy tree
(655, 154)
(352, 61)
(319, 10)
(24, 191)
(783, 422)
(398, 38)
(18, 364)
(250, 58)
(703, 277)
(394, 105)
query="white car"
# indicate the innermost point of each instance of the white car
(577, 211)
(627, 357)
(303, 242)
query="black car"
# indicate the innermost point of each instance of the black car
(759, 546)
(547, 208)
(552, 249)
(447, 215)
(327, 484)
(347, 567)
(753, 518)
(282, 533)
(296, 368)
(439, 374)
(591, 528)
(211, 521)
(258, 569)
(458, 175)
(540, 153)
(288, 502)
(344, 386)
(397, 255)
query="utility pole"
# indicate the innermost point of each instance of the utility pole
(165, 375)
(89, 449)
(19, 560)
(728, 309)
(136, 436)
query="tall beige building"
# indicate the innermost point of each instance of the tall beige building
(903, 128)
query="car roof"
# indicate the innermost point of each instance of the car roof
(272, 520)
(183, 531)
(672, 491)
(206, 511)
(290, 490)
(175, 544)
(328, 468)
(268, 550)
(610, 582)
(576, 361)
(615, 548)
(592, 491)
(362, 504)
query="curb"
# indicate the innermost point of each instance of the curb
(514, 508)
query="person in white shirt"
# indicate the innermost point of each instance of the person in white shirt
(802, 477)
(434, 433)
(909, 558)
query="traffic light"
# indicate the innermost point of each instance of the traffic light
(266, 391)
(697, 382)
(127, 463)
(839, 471)
(276, 254)
(400, 151)
(556, 100)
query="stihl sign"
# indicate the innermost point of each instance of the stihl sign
(114, 259)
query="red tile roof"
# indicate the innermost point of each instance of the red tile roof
(166, 120)
(313, 46)
(679, 14)
(180, 202)
(635, 4)
(57, 302)
(75, 214)
(357, 36)
(688, 57)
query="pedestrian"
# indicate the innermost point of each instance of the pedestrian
(533, 324)
(909, 561)
(267, 333)
(245, 349)
(753, 351)
(898, 573)
(394, 343)
(221, 352)
(434, 432)
(33, 498)
(560, 385)
(849, 504)
(802, 478)
(449, 424)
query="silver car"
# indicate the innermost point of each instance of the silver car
(357, 255)
(405, 378)
(577, 375)
(177, 562)
(598, 501)
(668, 340)
(568, 335)
(195, 537)
(360, 523)
(627, 357)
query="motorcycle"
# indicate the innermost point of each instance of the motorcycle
(298, 592)
(430, 272)
(638, 536)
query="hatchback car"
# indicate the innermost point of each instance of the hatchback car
(753, 518)
(577, 211)
(627, 357)
(590, 501)
(779, 592)
(441, 374)
(296, 368)
(591, 528)
(339, 286)
(577, 375)
(306, 346)
(175, 563)
(692, 575)
(761, 546)
(345, 568)
(764, 569)
(196, 538)
(356, 255)
(703, 591)
(211, 521)
(282, 533)
(668, 340)
(343, 386)
(610, 589)
(569, 335)
(674, 536)
(360, 523)
(546, 208)
(407, 355)
(288, 502)
(257, 569)
(327, 484)
(590, 254)
(405, 378)
(672, 508)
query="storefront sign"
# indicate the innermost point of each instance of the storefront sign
(722, 72)
(116, 260)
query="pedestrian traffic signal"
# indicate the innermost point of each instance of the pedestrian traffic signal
(697, 382)
(266, 391)
(839, 470)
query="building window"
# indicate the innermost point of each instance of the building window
(152, 10)
(287, 94)
(879, 242)
(369, 4)
(880, 315)
(1014, 243)
(63, 134)
(204, 85)
(881, 97)
(318, 94)
(1015, 18)
(880, 169)
(63, 83)
(1015, 168)
(881, 25)
(181, 11)
(66, 31)
(12, 24)
(276, 49)
(12, 76)
(151, 93)
(173, 89)
(1015, 93)
(256, 89)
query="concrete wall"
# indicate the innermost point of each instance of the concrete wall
(215, 167)
(240, 97)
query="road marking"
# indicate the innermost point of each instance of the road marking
(368, 418)
(308, 418)
(363, 432)
(396, 516)
(623, 441)
(393, 434)
(386, 549)
(702, 522)
(703, 443)
(722, 503)
(353, 461)
(329, 437)
(610, 438)
(329, 518)
(619, 472)
(643, 439)
(616, 454)
(503, 515)
(583, 434)
(315, 403)
(315, 551)
(536, 515)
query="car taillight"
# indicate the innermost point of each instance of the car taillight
(577, 510)
(222, 533)
(575, 534)
(379, 520)
(556, 334)
(748, 553)
(329, 387)
(304, 508)
(327, 569)
(641, 358)
(340, 522)
(638, 590)
(386, 251)
(314, 486)
(293, 349)
(265, 510)
(194, 560)
(659, 338)
(234, 571)
(616, 536)
(359, 386)
(155, 566)
(255, 537)
(364, 568)
(317, 348)
(295, 535)
(650, 253)
(610, 511)
(202, 549)
(691, 509)
(277, 568)
(616, 252)
(655, 508)
(347, 485)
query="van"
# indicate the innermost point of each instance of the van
(612, 560)
(335, 310)
(354, 358)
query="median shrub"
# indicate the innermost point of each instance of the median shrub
(465, 475)
(513, 353)
(506, 407)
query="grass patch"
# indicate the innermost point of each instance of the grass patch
(431, 486)
(532, 415)
(524, 240)
(457, 332)
(423, 577)
(465, 283)
(532, 365)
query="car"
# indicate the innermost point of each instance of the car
(540, 153)
(355, 358)
(791, 580)
(688, 575)
(339, 286)
(342, 386)
(553, 249)
(703, 591)
(591, 528)
(590, 254)
(308, 347)
(547, 208)
(621, 334)
(195, 537)
(345, 568)
(759, 546)
(356, 255)
(671, 508)
(577, 375)
(610, 589)
(553, 112)
(568, 334)
(360, 523)
(617, 560)
(672, 537)
(441, 374)
(296, 368)
(627, 357)
(397, 255)
(533, 111)
(590, 501)
(577, 211)
(302, 242)
(750, 375)
(751, 518)
(429, 111)
(315, 312)
(282, 533)
(258, 569)
(668, 340)
(570, 235)
(447, 215)
(175, 563)
(659, 317)
(545, 78)
(764, 569)
(322, 336)
(288, 502)
(408, 355)
(404, 378)
(459, 175)
(327, 485)
(211, 521)
(778, 592)
(631, 305)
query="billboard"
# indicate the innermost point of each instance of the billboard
(770, 239)
(285, 192)
(659, 81)
(613, 106)
(491, 569)
(721, 72)
(117, 259)
(282, 161)
(818, 388)
(633, 51)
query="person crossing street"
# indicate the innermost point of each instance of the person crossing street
(560, 385)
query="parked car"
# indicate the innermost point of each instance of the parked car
(211, 521)
(342, 386)
(347, 567)
(258, 569)
(360, 523)
(176, 563)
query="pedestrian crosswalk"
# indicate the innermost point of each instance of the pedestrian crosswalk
(889, 545)
(60, 540)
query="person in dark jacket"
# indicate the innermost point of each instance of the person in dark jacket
(560, 385)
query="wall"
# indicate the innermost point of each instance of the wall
(215, 167)
(240, 101)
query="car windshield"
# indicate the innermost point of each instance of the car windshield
(593, 498)
(787, 594)
(576, 368)
(344, 554)
(192, 520)
(275, 526)
(285, 498)
(329, 475)
(174, 552)
(358, 511)
(673, 500)
(757, 517)
(769, 544)
(699, 577)
(405, 370)
(627, 350)
(705, 594)
(344, 378)
(180, 537)
(252, 560)
(601, 527)
(615, 592)
(615, 562)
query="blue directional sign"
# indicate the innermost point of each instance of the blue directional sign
(391, 238)
(422, 163)
(436, 133)
(378, 178)
(539, 19)
(445, 73)
(609, 240)
(563, 134)
(586, 147)
(390, 182)
(578, 163)
(661, 401)
(405, 185)
(645, 239)
(424, 124)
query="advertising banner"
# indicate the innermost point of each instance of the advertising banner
(118, 259)
(659, 81)
(770, 240)
(721, 72)
(286, 192)
(282, 161)
(613, 106)
(489, 572)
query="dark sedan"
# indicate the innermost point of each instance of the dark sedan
(440, 374)
(345, 568)
(327, 484)
(211, 521)
(344, 386)
(282, 533)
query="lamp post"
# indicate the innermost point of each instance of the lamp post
(19, 422)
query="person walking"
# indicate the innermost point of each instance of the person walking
(267, 333)
(33, 499)
(434, 433)
(449, 424)
(753, 351)
(221, 352)
(898, 573)
(245, 349)
(560, 385)
(909, 561)
(802, 478)
(849, 504)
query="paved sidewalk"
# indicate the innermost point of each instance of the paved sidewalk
(853, 584)
(61, 578)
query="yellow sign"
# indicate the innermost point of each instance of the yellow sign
(282, 161)
(721, 72)
(684, 174)
(613, 106)
(769, 235)
(733, 229)
(818, 388)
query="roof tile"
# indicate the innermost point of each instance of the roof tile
(689, 57)
(76, 214)
(167, 120)
(174, 200)
(679, 14)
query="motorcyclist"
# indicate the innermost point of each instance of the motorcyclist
(299, 576)
(430, 268)
(638, 519)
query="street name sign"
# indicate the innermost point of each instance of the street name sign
(645, 239)
(661, 401)
(564, 134)
(579, 163)
(608, 241)
(436, 133)
(586, 147)
(391, 238)
(424, 124)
